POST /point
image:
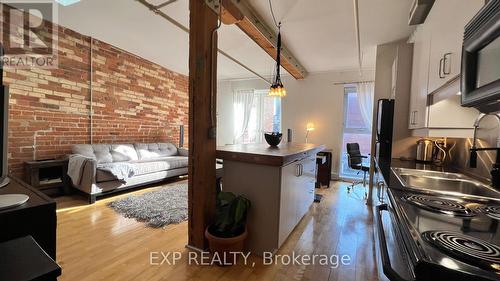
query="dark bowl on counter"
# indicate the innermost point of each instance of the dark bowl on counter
(273, 139)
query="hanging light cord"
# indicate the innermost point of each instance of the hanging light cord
(272, 14)
(278, 47)
(278, 56)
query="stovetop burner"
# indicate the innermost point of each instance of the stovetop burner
(436, 204)
(492, 211)
(468, 249)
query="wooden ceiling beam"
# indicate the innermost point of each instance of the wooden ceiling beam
(253, 26)
(230, 13)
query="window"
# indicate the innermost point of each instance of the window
(355, 129)
(255, 113)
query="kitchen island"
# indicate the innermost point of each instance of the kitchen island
(279, 181)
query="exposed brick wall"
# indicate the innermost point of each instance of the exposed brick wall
(134, 100)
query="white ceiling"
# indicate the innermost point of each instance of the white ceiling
(319, 33)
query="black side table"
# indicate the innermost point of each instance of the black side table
(324, 165)
(48, 175)
(22, 259)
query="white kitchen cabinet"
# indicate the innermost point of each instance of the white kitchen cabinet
(297, 194)
(446, 22)
(290, 179)
(421, 40)
(307, 185)
(436, 66)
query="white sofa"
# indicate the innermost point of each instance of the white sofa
(152, 162)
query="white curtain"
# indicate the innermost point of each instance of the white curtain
(365, 101)
(243, 101)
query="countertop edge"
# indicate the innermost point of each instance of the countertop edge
(267, 159)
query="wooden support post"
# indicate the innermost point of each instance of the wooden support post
(202, 145)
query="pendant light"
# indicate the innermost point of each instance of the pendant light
(277, 89)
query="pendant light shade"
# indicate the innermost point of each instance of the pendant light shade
(277, 89)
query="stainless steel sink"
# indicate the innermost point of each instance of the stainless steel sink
(445, 183)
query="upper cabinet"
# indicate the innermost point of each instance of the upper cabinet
(421, 40)
(446, 22)
(436, 65)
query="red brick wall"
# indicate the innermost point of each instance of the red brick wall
(134, 100)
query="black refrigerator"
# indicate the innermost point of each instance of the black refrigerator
(383, 142)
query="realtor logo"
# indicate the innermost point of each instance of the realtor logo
(29, 34)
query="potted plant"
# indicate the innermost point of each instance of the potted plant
(229, 231)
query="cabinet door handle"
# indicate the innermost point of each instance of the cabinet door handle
(446, 58)
(441, 63)
(301, 169)
(297, 170)
(415, 117)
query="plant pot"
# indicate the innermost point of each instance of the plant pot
(225, 246)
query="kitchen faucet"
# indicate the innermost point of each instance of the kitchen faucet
(495, 171)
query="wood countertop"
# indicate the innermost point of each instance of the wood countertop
(264, 154)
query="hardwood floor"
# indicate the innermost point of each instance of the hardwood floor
(95, 243)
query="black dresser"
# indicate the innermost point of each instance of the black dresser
(36, 217)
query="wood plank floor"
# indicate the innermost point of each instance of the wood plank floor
(95, 243)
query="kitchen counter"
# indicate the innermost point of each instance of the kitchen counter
(426, 236)
(264, 154)
(279, 182)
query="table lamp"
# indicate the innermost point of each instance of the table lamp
(309, 127)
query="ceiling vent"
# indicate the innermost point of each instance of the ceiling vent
(419, 11)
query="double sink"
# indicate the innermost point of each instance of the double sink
(444, 183)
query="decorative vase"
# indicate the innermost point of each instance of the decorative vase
(273, 139)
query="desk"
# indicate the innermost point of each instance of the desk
(36, 217)
(23, 259)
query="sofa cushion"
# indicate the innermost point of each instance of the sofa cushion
(163, 164)
(148, 167)
(107, 153)
(83, 149)
(148, 151)
(123, 152)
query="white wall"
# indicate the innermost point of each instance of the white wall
(315, 99)
(403, 144)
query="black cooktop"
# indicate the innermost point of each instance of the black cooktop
(439, 205)
(448, 232)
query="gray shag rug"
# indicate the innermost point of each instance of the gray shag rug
(168, 205)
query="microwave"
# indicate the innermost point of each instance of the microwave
(480, 78)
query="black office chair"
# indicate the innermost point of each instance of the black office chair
(355, 162)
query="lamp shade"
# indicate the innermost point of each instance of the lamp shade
(310, 127)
